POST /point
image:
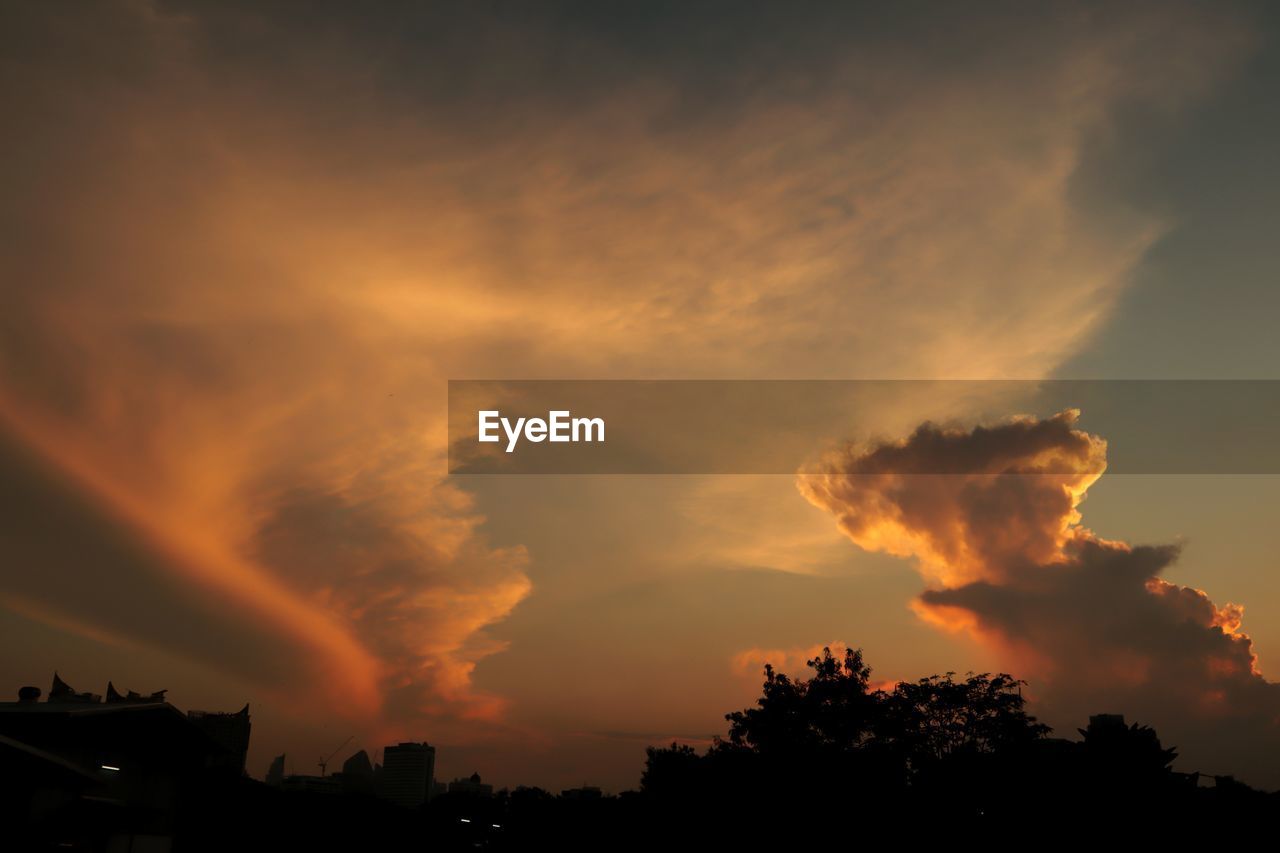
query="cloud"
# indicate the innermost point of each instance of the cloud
(969, 504)
(247, 248)
(1089, 620)
(750, 662)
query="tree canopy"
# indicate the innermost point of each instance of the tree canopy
(835, 710)
(956, 747)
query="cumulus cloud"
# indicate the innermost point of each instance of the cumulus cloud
(970, 505)
(991, 516)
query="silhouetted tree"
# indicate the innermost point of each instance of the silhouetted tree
(832, 710)
(672, 771)
(928, 720)
(1128, 754)
(939, 717)
(940, 751)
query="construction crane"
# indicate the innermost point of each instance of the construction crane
(324, 762)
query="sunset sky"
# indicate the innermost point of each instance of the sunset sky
(245, 247)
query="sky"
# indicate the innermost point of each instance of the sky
(245, 247)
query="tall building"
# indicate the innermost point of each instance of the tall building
(275, 773)
(408, 774)
(357, 774)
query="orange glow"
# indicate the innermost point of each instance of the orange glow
(344, 668)
(750, 662)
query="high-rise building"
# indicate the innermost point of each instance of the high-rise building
(357, 774)
(275, 773)
(408, 773)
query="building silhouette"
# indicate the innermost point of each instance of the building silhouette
(357, 774)
(128, 731)
(299, 783)
(122, 765)
(408, 774)
(471, 785)
(586, 792)
(229, 730)
(275, 773)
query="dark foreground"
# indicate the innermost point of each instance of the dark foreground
(820, 763)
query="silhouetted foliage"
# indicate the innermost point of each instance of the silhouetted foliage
(833, 710)
(938, 717)
(1126, 755)
(941, 757)
(941, 750)
(671, 771)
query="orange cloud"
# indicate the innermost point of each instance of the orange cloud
(970, 505)
(991, 516)
(751, 662)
